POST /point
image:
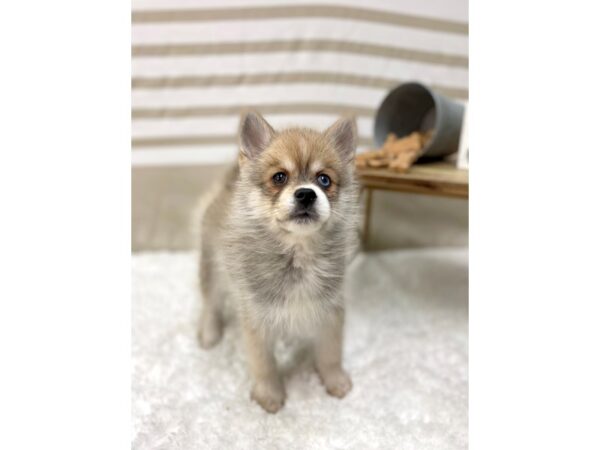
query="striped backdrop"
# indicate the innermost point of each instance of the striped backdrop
(197, 63)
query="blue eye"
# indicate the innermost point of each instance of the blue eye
(324, 180)
(279, 178)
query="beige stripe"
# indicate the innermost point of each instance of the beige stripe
(290, 108)
(300, 11)
(279, 78)
(175, 141)
(182, 140)
(318, 45)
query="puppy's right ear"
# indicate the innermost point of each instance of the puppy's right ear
(344, 135)
(255, 134)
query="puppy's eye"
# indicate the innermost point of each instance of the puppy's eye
(279, 178)
(324, 180)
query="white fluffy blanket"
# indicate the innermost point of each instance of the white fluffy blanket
(406, 350)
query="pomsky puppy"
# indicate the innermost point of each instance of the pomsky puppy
(275, 239)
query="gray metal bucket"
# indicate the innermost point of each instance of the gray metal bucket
(414, 107)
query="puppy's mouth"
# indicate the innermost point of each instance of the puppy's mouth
(304, 216)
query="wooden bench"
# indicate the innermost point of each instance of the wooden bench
(436, 178)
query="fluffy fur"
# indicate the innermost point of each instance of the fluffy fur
(281, 262)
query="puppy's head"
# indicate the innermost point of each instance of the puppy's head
(296, 178)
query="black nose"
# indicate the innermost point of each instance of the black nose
(305, 196)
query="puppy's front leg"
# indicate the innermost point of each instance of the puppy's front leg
(328, 357)
(268, 389)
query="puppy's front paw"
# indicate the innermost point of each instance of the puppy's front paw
(337, 383)
(270, 396)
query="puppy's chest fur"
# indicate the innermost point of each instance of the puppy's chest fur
(307, 274)
(291, 287)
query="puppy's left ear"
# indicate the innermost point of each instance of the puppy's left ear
(344, 135)
(255, 134)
